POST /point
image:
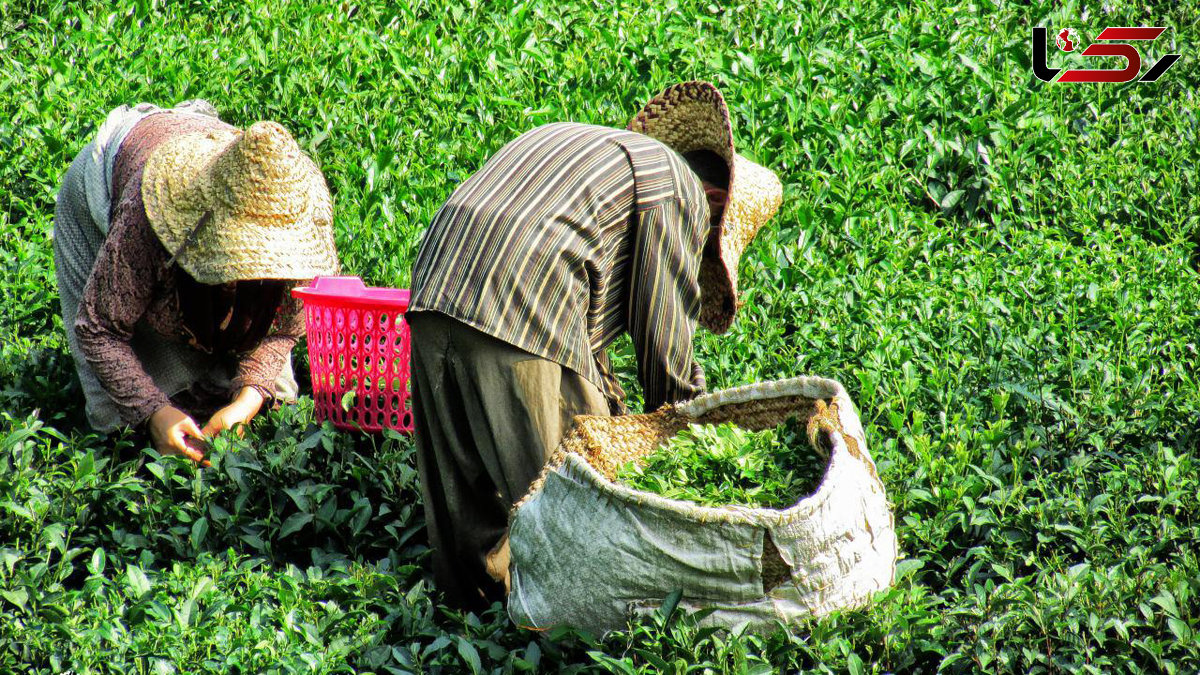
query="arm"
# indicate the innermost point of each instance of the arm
(260, 367)
(121, 285)
(613, 393)
(119, 290)
(665, 299)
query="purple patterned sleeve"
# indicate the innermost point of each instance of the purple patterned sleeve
(121, 287)
(262, 365)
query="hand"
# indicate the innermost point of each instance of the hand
(174, 433)
(243, 409)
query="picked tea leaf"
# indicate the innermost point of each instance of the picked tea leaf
(716, 465)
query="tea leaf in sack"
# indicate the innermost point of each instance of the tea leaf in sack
(717, 465)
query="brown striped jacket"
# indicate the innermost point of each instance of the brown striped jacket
(568, 236)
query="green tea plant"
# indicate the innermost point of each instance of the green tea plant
(1002, 272)
(720, 464)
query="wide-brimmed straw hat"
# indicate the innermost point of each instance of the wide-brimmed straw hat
(233, 206)
(693, 116)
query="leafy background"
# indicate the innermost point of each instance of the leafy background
(1001, 271)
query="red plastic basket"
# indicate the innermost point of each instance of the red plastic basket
(358, 342)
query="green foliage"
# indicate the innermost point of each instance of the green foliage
(1001, 271)
(137, 554)
(721, 464)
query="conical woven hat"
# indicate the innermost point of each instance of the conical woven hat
(693, 116)
(233, 206)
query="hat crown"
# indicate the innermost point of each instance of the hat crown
(266, 207)
(251, 172)
(688, 116)
(269, 146)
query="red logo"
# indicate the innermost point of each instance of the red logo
(1067, 39)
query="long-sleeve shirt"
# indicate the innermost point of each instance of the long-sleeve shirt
(256, 322)
(568, 236)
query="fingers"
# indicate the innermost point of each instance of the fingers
(192, 452)
(186, 446)
(216, 423)
(186, 439)
(192, 448)
(215, 426)
(222, 420)
(189, 428)
(176, 433)
(195, 453)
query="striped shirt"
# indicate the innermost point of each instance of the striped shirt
(568, 236)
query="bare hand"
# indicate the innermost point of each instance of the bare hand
(174, 433)
(243, 409)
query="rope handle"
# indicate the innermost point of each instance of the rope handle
(823, 420)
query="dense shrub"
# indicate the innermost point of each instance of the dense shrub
(1001, 271)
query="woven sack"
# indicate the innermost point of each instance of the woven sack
(587, 552)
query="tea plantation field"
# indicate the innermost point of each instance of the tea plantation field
(1002, 272)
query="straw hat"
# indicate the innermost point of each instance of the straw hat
(231, 206)
(693, 116)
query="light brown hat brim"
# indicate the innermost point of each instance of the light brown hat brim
(694, 116)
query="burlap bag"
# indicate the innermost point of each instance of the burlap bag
(587, 552)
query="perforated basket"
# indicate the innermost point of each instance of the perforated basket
(358, 342)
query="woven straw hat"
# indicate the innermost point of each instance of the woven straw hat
(233, 206)
(693, 116)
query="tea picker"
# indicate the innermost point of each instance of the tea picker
(568, 236)
(177, 239)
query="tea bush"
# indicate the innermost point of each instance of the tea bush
(1000, 270)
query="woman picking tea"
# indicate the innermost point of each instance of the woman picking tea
(177, 240)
